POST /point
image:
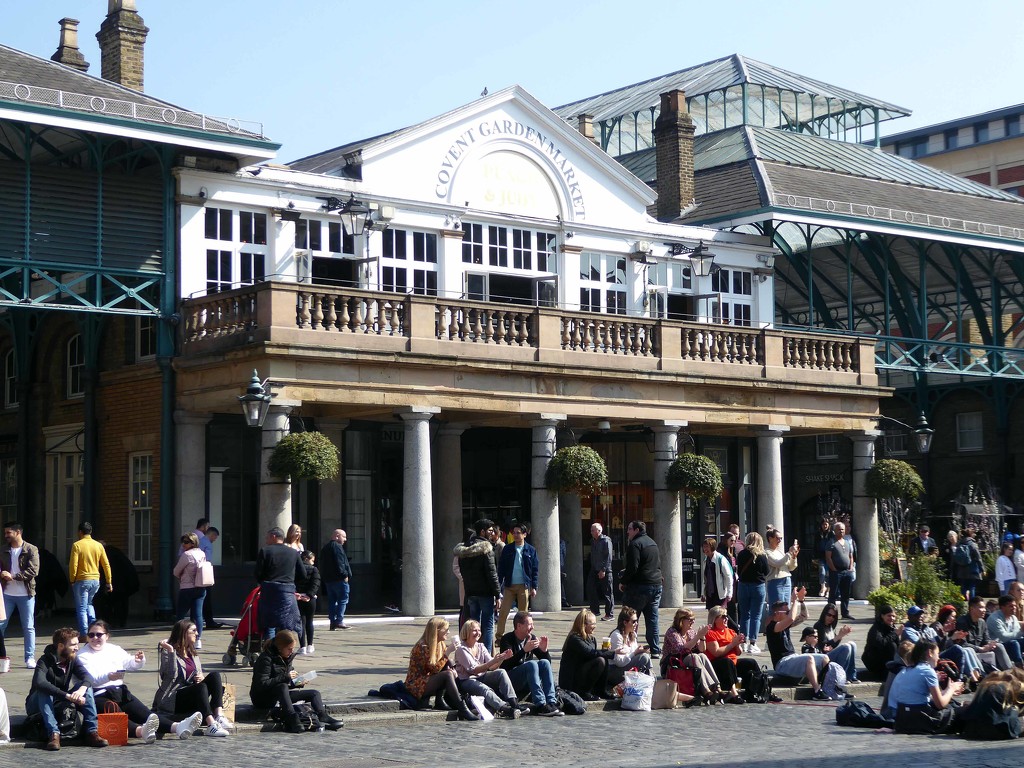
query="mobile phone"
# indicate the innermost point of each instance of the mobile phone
(795, 544)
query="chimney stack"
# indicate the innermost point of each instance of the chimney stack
(585, 123)
(673, 140)
(67, 52)
(122, 36)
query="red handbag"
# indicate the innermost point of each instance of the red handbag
(682, 676)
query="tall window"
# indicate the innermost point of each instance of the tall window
(145, 338)
(409, 262)
(969, 434)
(735, 288)
(10, 380)
(323, 238)
(236, 246)
(603, 283)
(980, 132)
(75, 367)
(8, 488)
(140, 507)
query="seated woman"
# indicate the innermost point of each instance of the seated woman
(628, 653)
(996, 709)
(831, 641)
(883, 638)
(106, 664)
(584, 666)
(948, 638)
(430, 671)
(722, 646)
(915, 698)
(273, 683)
(685, 645)
(183, 686)
(480, 674)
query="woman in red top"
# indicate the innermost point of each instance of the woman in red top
(430, 671)
(722, 646)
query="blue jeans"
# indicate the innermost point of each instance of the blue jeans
(337, 601)
(43, 703)
(646, 599)
(190, 601)
(481, 608)
(778, 590)
(84, 592)
(535, 675)
(1013, 650)
(27, 611)
(845, 655)
(839, 585)
(751, 598)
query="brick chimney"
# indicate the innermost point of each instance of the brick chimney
(585, 123)
(67, 52)
(122, 36)
(673, 140)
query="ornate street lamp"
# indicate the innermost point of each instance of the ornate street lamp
(256, 401)
(922, 433)
(701, 259)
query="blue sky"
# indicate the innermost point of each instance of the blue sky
(320, 73)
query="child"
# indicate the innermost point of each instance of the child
(809, 640)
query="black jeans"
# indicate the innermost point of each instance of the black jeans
(286, 696)
(201, 697)
(122, 699)
(307, 608)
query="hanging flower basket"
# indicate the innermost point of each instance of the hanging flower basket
(576, 469)
(696, 476)
(305, 456)
(891, 478)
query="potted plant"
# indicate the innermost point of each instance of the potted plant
(305, 456)
(696, 476)
(891, 478)
(576, 469)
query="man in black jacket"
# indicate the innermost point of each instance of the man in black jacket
(336, 572)
(977, 637)
(641, 582)
(57, 671)
(480, 577)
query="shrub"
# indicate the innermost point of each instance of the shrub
(305, 456)
(576, 469)
(697, 476)
(891, 478)
(897, 595)
(925, 587)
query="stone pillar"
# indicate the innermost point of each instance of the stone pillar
(275, 492)
(570, 528)
(330, 490)
(448, 463)
(769, 479)
(544, 513)
(417, 514)
(667, 520)
(190, 477)
(865, 514)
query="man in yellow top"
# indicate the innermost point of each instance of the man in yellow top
(87, 557)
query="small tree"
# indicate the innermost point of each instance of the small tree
(305, 456)
(697, 476)
(576, 469)
(891, 478)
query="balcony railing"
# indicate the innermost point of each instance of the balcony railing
(342, 317)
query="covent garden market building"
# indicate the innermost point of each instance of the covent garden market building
(450, 302)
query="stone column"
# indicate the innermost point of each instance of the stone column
(275, 492)
(544, 513)
(417, 514)
(190, 477)
(667, 520)
(330, 490)
(448, 466)
(571, 529)
(865, 514)
(769, 479)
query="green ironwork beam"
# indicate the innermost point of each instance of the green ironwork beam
(970, 294)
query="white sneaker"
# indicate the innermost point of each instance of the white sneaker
(753, 649)
(216, 730)
(224, 723)
(188, 726)
(30, 663)
(301, 651)
(199, 644)
(309, 650)
(149, 728)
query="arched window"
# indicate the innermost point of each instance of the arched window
(75, 367)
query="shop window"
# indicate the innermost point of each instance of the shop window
(827, 446)
(140, 508)
(969, 434)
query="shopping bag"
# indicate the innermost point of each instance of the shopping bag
(665, 694)
(638, 691)
(112, 725)
(204, 574)
(230, 699)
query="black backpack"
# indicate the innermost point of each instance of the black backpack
(757, 687)
(308, 720)
(69, 723)
(570, 702)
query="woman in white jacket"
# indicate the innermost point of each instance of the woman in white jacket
(782, 563)
(190, 596)
(718, 576)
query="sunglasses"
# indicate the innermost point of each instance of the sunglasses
(96, 635)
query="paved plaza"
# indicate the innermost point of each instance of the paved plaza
(375, 651)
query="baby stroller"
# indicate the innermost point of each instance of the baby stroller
(247, 635)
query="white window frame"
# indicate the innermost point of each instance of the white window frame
(735, 302)
(600, 276)
(233, 248)
(74, 367)
(896, 442)
(9, 488)
(409, 267)
(970, 435)
(826, 446)
(10, 379)
(145, 337)
(140, 508)
(65, 482)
